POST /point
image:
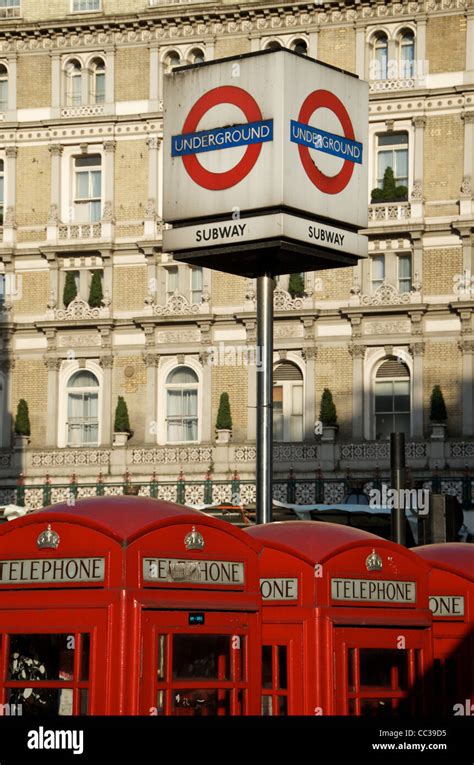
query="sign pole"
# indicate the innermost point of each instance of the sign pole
(397, 468)
(265, 287)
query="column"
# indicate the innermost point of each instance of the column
(358, 354)
(154, 80)
(360, 51)
(110, 80)
(467, 349)
(466, 203)
(53, 366)
(310, 356)
(207, 428)
(417, 264)
(421, 64)
(56, 151)
(109, 185)
(417, 350)
(159, 206)
(416, 197)
(470, 42)
(153, 143)
(106, 362)
(9, 225)
(12, 79)
(55, 84)
(107, 264)
(152, 361)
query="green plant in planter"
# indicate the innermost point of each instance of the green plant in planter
(389, 192)
(95, 291)
(70, 289)
(438, 411)
(224, 418)
(296, 285)
(22, 419)
(328, 414)
(122, 422)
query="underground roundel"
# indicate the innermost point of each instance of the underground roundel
(309, 137)
(252, 133)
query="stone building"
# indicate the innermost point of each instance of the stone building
(81, 160)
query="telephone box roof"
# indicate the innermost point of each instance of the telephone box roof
(314, 540)
(122, 517)
(457, 557)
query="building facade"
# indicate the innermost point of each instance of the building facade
(93, 309)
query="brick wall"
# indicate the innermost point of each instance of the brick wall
(231, 47)
(232, 380)
(334, 371)
(442, 365)
(227, 289)
(129, 381)
(440, 266)
(132, 74)
(131, 176)
(33, 185)
(335, 282)
(337, 47)
(443, 166)
(446, 43)
(33, 84)
(34, 289)
(130, 287)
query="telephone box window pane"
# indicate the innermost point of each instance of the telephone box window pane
(267, 706)
(383, 668)
(41, 657)
(84, 702)
(85, 657)
(201, 656)
(35, 701)
(267, 674)
(195, 702)
(160, 703)
(282, 666)
(282, 705)
(376, 707)
(350, 668)
(161, 674)
(66, 701)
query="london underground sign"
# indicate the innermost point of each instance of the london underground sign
(345, 147)
(192, 142)
(270, 146)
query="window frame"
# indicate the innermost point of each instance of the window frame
(15, 6)
(83, 390)
(73, 74)
(374, 413)
(76, 201)
(194, 386)
(74, 9)
(394, 149)
(163, 372)
(288, 416)
(402, 35)
(67, 371)
(5, 78)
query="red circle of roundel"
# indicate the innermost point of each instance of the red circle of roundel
(227, 94)
(329, 184)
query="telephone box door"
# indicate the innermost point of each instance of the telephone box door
(198, 663)
(53, 662)
(282, 671)
(380, 672)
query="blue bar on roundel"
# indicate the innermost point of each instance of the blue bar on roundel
(222, 138)
(329, 143)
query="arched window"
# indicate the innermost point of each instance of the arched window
(74, 83)
(273, 45)
(196, 56)
(300, 46)
(287, 402)
(171, 60)
(82, 409)
(3, 88)
(392, 399)
(380, 57)
(407, 54)
(182, 386)
(98, 81)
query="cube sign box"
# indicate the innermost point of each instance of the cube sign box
(265, 164)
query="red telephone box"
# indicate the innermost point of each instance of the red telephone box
(346, 623)
(128, 606)
(451, 597)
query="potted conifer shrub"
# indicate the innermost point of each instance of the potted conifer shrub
(22, 425)
(296, 285)
(121, 423)
(389, 192)
(328, 416)
(96, 294)
(70, 289)
(438, 414)
(224, 420)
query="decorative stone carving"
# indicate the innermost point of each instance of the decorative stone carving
(386, 294)
(11, 152)
(402, 327)
(9, 219)
(53, 217)
(52, 364)
(77, 309)
(419, 122)
(176, 305)
(466, 186)
(150, 210)
(70, 457)
(55, 149)
(282, 301)
(110, 146)
(179, 336)
(250, 293)
(466, 346)
(416, 349)
(288, 330)
(417, 191)
(79, 340)
(357, 351)
(106, 362)
(151, 359)
(108, 213)
(309, 354)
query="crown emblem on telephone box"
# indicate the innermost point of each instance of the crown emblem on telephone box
(48, 539)
(374, 562)
(194, 540)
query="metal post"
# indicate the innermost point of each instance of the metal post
(397, 468)
(265, 286)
